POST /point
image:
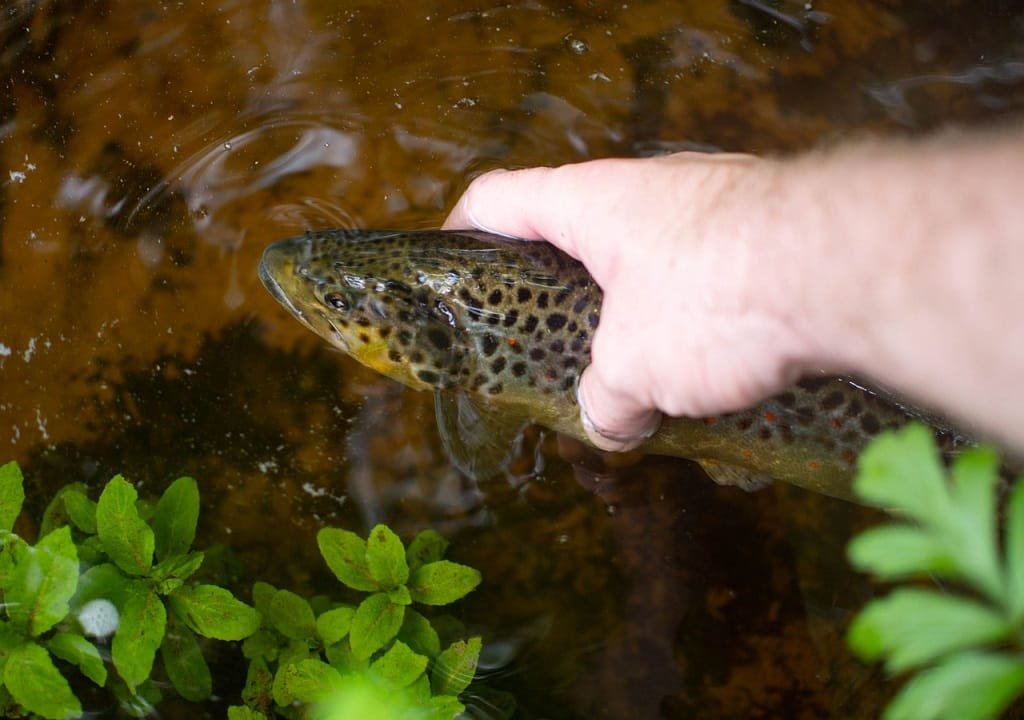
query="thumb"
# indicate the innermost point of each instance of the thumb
(612, 419)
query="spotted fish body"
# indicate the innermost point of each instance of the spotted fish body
(509, 324)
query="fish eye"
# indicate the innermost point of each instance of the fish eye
(337, 301)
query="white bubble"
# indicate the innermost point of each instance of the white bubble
(99, 618)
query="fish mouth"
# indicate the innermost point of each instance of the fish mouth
(274, 265)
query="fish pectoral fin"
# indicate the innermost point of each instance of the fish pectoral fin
(478, 439)
(726, 474)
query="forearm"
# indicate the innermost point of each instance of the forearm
(915, 253)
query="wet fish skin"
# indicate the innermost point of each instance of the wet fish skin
(509, 323)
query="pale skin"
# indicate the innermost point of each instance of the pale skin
(726, 277)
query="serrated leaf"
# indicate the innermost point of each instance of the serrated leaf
(455, 667)
(143, 622)
(175, 518)
(184, 662)
(334, 624)
(35, 683)
(442, 582)
(345, 554)
(901, 469)
(309, 681)
(127, 539)
(292, 616)
(1015, 552)
(399, 666)
(12, 495)
(895, 551)
(78, 651)
(214, 612)
(375, 623)
(42, 583)
(81, 510)
(427, 547)
(975, 474)
(967, 686)
(419, 634)
(385, 558)
(913, 627)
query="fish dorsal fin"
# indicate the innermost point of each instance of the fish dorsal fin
(726, 474)
(478, 437)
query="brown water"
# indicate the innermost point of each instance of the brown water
(150, 153)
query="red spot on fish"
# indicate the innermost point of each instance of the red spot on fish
(512, 342)
(837, 422)
(748, 454)
(812, 465)
(710, 420)
(770, 416)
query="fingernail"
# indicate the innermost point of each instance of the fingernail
(612, 442)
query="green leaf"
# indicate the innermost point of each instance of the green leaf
(342, 659)
(399, 666)
(127, 539)
(173, 572)
(894, 552)
(967, 686)
(427, 547)
(80, 509)
(345, 554)
(103, 582)
(334, 624)
(385, 557)
(143, 621)
(261, 644)
(454, 668)
(43, 582)
(175, 518)
(419, 634)
(214, 612)
(374, 624)
(442, 707)
(1015, 552)
(259, 684)
(442, 582)
(913, 627)
(240, 712)
(306, 681)
(901, 469)
(292, 616)
(184, 662)
(37, 685)
(262, 594)
(12, 495)
(90, 551)
(78, 651)
(400, 595)
(975, 474)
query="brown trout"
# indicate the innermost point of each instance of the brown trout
(502, 329)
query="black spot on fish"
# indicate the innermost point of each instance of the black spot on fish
(519, 369)
(489, 345)
(786, 399)
(592, 320)
(511, 318)
(569, 382)
(581, 304)
(765, 433)
(399, 287)
(394, 356)
(478, 382)
(570, 362)
(542, 300)
(498, 365)
(404, 337)
(531, 324)
(537, 354)
(557, 346)
(495, 389)
(744, 423)
(815, 383)
(556, 321)
(416, 356)
(869, 424)
(524, 294)
(438, 339)
(430, 378)
(362, 322)
(364, 338)
(495, 297)
(576, 345)
(561, 297)
(833, 400)
(384, 332)
(573, 327)
(404, 316)
(853, 408)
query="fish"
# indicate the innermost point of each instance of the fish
(500, 330)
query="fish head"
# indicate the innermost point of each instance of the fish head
(358, 291)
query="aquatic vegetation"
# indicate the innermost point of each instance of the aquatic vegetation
(964, 646)
(378, 658)
(110, 583)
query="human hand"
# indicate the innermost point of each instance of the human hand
(701, 310)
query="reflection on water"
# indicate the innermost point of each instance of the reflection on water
(151, 153)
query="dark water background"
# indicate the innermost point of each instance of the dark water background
(151, 150)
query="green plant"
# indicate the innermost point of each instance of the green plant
(965, 647)
(379, 658)
(136, 588)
